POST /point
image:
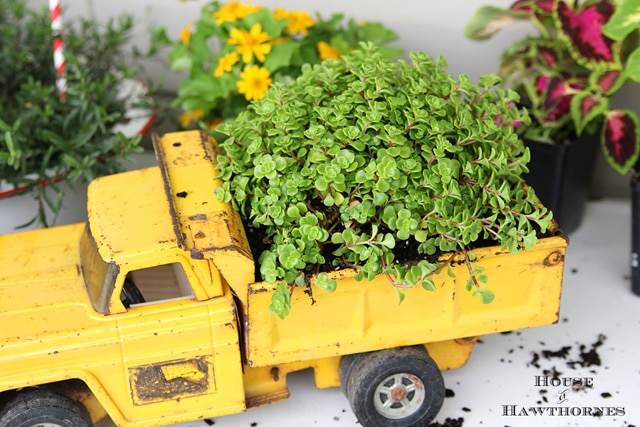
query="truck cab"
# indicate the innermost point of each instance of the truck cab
(121, 306)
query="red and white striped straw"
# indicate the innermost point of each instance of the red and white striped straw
(58, 47)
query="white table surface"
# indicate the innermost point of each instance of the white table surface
(596, 301)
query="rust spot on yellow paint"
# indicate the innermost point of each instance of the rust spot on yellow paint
(554, 258)
(171, 380)
(275, 373)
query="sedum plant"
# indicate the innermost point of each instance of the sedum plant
(364, 157)
(235, 50)
(570, 69)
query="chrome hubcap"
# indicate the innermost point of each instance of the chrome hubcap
(399, 396)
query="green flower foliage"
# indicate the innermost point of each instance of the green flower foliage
(360, 154)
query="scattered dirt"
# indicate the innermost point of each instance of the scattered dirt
(449, 422)
(585, 359)
(571, 356)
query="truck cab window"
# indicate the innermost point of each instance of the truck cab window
(155, 284)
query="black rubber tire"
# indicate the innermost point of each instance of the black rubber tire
(424, 392)
(346, 363)
(33, 407)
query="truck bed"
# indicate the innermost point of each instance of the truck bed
(358, 316)
(364, 316)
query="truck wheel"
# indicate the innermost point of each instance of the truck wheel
(396, 387)
(44, 408)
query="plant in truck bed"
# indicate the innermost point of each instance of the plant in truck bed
(363, 156)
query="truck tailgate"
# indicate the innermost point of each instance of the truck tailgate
(364, 316)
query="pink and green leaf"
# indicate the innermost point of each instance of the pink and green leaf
(586, 107)
(607, 82)
(620, 139)
(549, 55)
(533, 6)
(582, 29)
(557, 97)
(489, 20)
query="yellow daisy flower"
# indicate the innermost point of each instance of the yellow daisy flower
(225, 64)
(185, 34)
(190, 116)
(233, 11)
(252, 42)
(254, 82)
(280, 13)
(300, 22)
(326, 51)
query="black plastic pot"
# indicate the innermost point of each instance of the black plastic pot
(561, 174)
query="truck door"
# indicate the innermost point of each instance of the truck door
(181, 355)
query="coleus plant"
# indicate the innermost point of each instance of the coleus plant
(361, 156)
(568, 72)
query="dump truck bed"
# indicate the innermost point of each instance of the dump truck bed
(358, 316)
(365, 315)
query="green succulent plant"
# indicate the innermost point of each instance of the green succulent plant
(361, 156)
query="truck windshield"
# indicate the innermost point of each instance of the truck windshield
(99, 275)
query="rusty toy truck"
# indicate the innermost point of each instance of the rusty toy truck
(77, 342)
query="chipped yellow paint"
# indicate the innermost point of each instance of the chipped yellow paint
(172, 380)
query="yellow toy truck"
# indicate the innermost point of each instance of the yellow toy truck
(151, 314)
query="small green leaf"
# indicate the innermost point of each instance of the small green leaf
(280, 301)
(485, 296)
(632, 70)
(325, 283)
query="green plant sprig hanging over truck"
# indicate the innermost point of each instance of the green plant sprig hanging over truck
(363, 156)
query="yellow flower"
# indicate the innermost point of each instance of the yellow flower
(185, 34)
(281, 13)
(225, 64)
(254, 82)
(252, 42)
(326, 51)
(233, 11)
(300, 22)
(190, 116)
